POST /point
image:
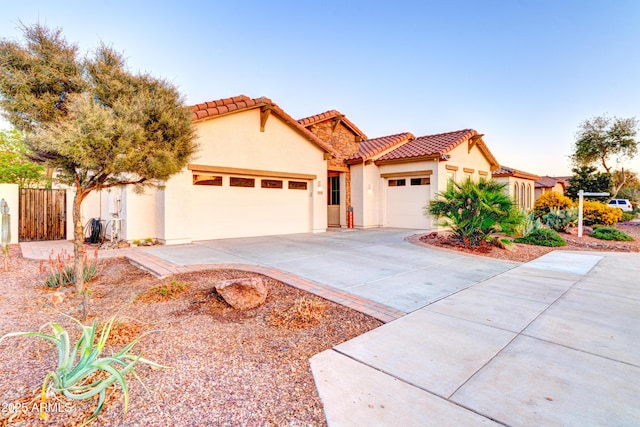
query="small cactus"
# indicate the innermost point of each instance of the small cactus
(561, 219)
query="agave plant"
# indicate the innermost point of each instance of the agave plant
(74, 377)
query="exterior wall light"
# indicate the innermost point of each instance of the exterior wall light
(320, 189)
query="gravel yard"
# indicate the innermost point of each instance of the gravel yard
(229, 368)
(523, 253)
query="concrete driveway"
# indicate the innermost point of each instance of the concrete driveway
(375, 264)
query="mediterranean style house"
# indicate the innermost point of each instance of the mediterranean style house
(260, 172)
(520, 185)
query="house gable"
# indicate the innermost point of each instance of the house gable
(439, 147)
(337, 131)
(266, 107)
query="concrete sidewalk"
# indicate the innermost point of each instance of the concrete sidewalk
(554, 342)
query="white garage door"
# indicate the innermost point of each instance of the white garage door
(406, 199)
(237, 206)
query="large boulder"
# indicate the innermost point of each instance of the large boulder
(244, 293)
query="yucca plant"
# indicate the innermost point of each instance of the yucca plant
(74, 376)
(527, 224)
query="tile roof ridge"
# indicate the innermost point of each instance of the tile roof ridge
(409, 134)
(320, 116)
(461, 131)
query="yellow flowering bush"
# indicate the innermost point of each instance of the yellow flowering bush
(597, 213)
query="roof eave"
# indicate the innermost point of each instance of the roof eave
(407, 159)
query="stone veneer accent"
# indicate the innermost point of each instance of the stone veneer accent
(344, 142)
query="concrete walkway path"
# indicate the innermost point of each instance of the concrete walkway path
(554, 342)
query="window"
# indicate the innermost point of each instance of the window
(271, 183)
(397, 182)
(451, 176)
(529, 196)
(516, 194)
(206, 179)
(522, 196)
(297, 185)
(242, 182)
(420, 181)
(334, 190)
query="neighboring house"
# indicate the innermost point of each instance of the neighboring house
(260, 172)
(342, 135)
(546, 184)
(520, 185)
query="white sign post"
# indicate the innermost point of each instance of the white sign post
(581, 195)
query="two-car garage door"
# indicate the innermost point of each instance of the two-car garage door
(406, 200)
(241, 206)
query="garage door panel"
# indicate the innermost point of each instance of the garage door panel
(405, 205)
(250, 211)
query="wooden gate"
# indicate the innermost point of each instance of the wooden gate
(43, 214)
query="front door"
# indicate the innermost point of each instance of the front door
(333, 199)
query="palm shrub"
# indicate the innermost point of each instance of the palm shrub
(474, 211)
(560, 219)
(81, 373)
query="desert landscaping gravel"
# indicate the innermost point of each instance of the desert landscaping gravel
(228, 368)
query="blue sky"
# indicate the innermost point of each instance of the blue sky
(524, 73)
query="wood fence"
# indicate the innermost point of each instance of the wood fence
(42, 214)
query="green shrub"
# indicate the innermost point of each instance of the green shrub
(74, 376)
(597, 213)
(628, 216)
(542, 237)
(610, 233)
(561, 219)
(474, 211)
(550, 200)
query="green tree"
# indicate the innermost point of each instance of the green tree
(601, 138)
(623, 178)
(588, 179)
(474, 211)
(15, 167)
(97, 123)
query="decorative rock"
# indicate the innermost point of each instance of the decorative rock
(57, 298)
(244, 293)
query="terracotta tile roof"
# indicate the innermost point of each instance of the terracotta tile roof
(370, 147)
(505, 171)
(435, 146)
(221, 107)
(328, 115)
(550, 182)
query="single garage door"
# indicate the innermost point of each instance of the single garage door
(406, 199)
(242, 206)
